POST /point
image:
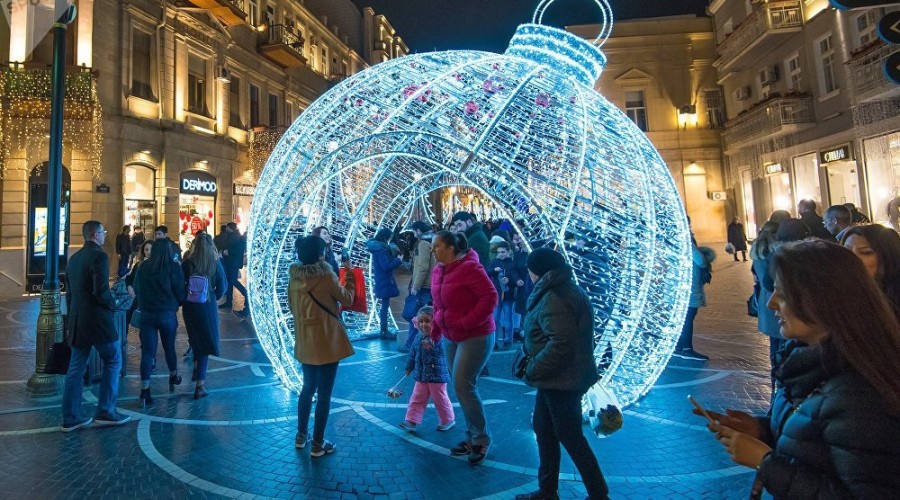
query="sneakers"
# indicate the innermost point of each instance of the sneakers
(77, 425)
(111, 419)
(538, 495)
(326, 447)
(300, 440)
(409, 426)
(478, 454)
(446, 427)
(688, 353)
(461, 449)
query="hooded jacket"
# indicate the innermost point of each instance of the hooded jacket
(383, 265)
(559, 335)
(320, 337)
(464, 299)
(423, 262)
(832, 434)
(427, 362)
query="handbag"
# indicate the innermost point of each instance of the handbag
(411, 307)
(753, 302)
(520, 363)
(58, 359)
(729, 248)
(359, 292)
(136, 319)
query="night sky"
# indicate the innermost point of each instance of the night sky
(427, 25)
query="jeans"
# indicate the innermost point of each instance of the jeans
(686, 339)
(384, 309)
(466, 359)
(166, 323)
(503, 316)
(424, 299)
(202, 365)
(557, 420)
(231, 274)
(418, 400)
(317, 379)
(111, 355)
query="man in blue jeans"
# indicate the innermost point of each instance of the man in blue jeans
(91, 307)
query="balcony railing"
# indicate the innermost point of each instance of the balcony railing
(867, 70)
(777, 116)
(26, 90)
(768, 18)
(283, 47)
(228, 12)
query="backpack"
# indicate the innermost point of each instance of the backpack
(197, 289)
(706, 272)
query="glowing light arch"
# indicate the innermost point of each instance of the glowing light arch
(527, 130)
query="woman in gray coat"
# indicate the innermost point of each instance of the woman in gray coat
(559, 341)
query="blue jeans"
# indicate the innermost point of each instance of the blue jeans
(317, 379)
(383, 310)
(503, 316)
(202, 365)
(111, 355)
(686, 340)
(166, 323)
(557, 420)
(231, 275)
(424, 299)
(466, 359)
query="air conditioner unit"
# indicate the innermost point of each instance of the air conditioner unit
(718, 196)
(742, 93)
(223, 74)
(768, 75)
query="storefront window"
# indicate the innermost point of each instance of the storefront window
(806, 179)
(883, 168)
(140, 205)
(780, 189)
(196, 206)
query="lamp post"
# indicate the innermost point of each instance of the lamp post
(50, 324)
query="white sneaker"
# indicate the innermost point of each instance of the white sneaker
(446, 427)
(409, 426)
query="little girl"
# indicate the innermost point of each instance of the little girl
(427, 360)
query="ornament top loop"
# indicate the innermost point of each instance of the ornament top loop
(606, 23)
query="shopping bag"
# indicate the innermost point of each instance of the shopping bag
(729, 248)
(359, 294)
(411, 307)
(601, 411)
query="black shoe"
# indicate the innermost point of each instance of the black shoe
(173, 381)
(478, 454)
(110, 419)
(538, 495)
(462, 448)
(145, 398)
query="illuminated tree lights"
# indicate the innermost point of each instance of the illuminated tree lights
(528, 132)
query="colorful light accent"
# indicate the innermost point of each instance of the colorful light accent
(527, 131)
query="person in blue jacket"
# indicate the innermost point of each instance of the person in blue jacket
(384, 261)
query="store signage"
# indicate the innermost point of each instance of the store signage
(197, 225)
(101, 188)
(198, 183)
(775, 168)
(244, 189)
(835, 154)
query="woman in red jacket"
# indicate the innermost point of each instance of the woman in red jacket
(464, 303)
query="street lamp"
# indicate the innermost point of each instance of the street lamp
(50, 324)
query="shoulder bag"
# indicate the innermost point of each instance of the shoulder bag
(340, 344)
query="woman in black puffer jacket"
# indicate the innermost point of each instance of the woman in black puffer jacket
(559, 339)
(833, 430)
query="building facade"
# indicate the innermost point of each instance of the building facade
(660, 73)
(172, 109)
(810, 114)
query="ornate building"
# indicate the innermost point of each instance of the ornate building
(172, 108)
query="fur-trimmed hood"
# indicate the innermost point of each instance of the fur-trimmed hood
(308, 275)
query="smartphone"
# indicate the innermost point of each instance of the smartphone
(702, 410)
(345, 255)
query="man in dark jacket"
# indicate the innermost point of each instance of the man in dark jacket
(233, 261)
(466, 222)
(123, 250)
(90, 307)
(559, 340)
(137, 240)
(807, 212)
(162, 232)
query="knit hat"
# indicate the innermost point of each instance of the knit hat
(309, 249)
(544, 259)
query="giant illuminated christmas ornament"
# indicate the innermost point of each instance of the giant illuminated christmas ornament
(527, 130)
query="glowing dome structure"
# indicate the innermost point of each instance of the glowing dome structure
(528, 131)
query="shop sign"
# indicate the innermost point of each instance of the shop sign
(244, 189)
(835, 154)
(101, 188)
(197, 225)
(198, 183)
(775, 168)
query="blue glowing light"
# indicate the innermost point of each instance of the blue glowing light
(528, 131)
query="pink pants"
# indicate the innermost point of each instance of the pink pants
(418, 400)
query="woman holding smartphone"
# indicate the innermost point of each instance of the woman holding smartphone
(834, 426)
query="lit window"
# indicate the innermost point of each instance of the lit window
(828, 80)
(794, 70)
(715, 111)
(234, 103)
(197, 85)
(865, 28)
(636, 109)
(254, 12)
(143, 65)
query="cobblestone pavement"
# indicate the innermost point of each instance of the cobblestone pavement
(238, 442)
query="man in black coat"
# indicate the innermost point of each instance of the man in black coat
(807, 211)
(233, 261)
(90, 306)
(123, 249)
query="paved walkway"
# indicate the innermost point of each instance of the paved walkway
(238, 442)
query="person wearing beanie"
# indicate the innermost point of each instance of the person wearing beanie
(559, 348)
(315, 296)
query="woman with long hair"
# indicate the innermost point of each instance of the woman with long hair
(760, 253)
(315, 295)
(202, 268)
(878, 248)
(834, 424)
(384, 262)
(159, 286)
(142, 254)
(464, 303)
